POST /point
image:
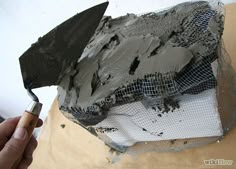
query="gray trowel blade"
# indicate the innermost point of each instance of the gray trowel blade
(46, 61)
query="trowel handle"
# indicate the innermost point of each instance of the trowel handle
(28, 121)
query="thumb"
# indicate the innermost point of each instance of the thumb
(15, 147)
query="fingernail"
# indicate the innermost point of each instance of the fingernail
(20, 133)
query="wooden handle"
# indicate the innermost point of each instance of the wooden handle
(29, 122)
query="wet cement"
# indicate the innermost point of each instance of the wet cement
(149, 52)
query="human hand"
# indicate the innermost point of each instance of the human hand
(15, 143)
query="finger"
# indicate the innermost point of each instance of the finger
(39, 123)
(6, 130)
(24, 164)
(8, 126)
(28, 154)
(14, 148)
(31, 146)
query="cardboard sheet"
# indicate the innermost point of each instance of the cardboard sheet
(65, 145)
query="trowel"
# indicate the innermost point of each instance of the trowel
(50, 58)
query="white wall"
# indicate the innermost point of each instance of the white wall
(23, 21)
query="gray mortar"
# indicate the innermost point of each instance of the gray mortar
(129, 51)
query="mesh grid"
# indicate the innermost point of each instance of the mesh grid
(149, 126)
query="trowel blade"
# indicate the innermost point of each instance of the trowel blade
(46, 61)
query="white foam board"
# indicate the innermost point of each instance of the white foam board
(197, 117)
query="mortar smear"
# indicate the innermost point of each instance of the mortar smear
(149, 58)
